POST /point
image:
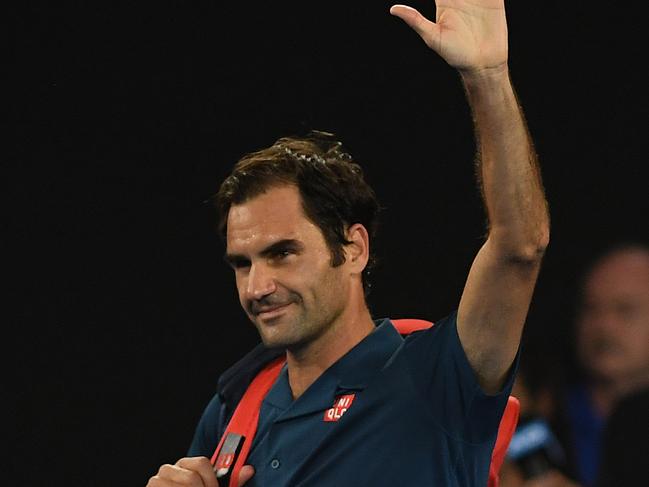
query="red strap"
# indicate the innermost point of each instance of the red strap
(508, 421)
(505, 432)
(246, 416)
(406, 327)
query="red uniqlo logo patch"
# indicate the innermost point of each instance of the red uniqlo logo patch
(341, 405)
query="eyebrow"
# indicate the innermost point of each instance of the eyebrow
(274, 248)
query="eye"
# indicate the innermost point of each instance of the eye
(238, 264)
(282, 254)
(626, 310)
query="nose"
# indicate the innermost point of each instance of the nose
(260, 282)
(602, 323)
(609, 319)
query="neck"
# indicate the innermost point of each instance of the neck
(308, 362)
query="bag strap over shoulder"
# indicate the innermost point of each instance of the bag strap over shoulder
(234, 446)
(246, 384)
(251, 379)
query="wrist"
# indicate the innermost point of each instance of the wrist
(488, 86)
(485, 76)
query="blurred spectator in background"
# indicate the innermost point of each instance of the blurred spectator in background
(595, 430)
(536, 457)
(612, 339)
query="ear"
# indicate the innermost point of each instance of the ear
(357, 252)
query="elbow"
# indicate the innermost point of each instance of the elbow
(531, 251)
(544, 240)
(524, 249)
(529, 255)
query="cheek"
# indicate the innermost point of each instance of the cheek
(310, 272)
(333, 287)
(310, 285)
(640, 339)
(240, 283)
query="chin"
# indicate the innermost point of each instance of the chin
(278, 340)
(611, 372)
(271, 337)
(272, 342)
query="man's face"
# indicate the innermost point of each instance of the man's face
(613, 326)
(283, 271)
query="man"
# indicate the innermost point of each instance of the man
(612, 348)
(298, 221)
(601, 419)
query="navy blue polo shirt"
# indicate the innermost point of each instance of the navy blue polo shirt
(410, 412)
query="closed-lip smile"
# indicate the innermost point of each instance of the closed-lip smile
(271, 311)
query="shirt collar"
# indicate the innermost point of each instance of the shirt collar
(352, 371)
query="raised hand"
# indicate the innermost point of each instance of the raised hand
(470, 35)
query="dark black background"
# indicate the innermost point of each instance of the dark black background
(126, 117)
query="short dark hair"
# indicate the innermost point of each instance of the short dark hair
(332, 187)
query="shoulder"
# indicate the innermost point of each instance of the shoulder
(233, 382)
(231, 386)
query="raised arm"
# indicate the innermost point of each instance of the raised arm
(472, 37)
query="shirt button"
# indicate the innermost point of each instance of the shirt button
(274, 464)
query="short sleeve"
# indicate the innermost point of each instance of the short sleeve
(442, 373)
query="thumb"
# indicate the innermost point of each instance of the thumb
(246, 473)
(420, 24)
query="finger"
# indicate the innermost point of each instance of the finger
(160, 482)
(420, 24)
(246, 473)
(174, 475)
(201, 468)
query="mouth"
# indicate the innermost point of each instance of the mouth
(272, 312)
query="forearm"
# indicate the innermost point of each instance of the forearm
(507, 167)
(472, 37)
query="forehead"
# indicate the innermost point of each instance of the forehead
(273, 215)
(619, 274)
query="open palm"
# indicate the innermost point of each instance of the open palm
(468, 34)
